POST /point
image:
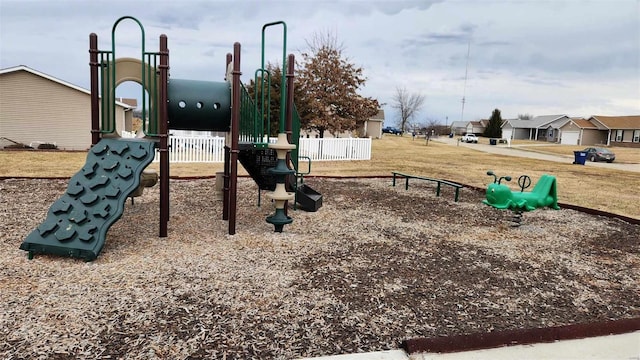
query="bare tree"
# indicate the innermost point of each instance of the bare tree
(407, 104)
(433, 126)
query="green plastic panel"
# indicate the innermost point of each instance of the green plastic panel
(77, 223)
(199, 105)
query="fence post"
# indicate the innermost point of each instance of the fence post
(351, 149)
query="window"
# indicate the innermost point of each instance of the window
(619, 135)
(636, 136)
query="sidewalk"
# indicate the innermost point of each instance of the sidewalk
(612, 347)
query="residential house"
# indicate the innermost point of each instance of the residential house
(372, 127)
(39, 108)
(551, 131)
(460, 127)
(128, 120)
(465, 127)
(596, 130)
(518, 129)
(619, 130)
(477, 127)
(541, 128)
(484, 123)
(579, 131)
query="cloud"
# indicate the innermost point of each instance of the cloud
(394, 7)
(460, 35)
(523, 53)
(177, 15)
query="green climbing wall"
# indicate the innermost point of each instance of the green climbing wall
(77, 223)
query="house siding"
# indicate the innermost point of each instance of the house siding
(36, 109)
(372, 128)
(627, 137)
(594, 137)
(613, 124)
(476, 128)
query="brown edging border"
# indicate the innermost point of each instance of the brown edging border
(600, 213)
(449, 344)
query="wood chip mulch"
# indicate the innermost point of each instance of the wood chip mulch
(376, 265)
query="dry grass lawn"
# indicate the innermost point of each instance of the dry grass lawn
(598, 188)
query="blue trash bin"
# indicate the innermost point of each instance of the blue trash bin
(580, 157)
(493, 141)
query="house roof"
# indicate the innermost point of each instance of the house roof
(507, 121)
(560, 122)
(56, 80)
(585, 124)
(617, 122)
(536, 122)
(131, 102)
(378, 116)
(518, 123)
(459, 124)
(547, 119)
(476, 123)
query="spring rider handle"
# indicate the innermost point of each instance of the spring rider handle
(495, 178)
(524, 182)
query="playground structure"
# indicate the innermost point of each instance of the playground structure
(77, 223)
(544, 194)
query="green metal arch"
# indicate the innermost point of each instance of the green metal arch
(283, 83)
(144, 75)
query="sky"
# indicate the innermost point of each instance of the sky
(544, 57)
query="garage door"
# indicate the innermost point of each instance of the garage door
(570, 138)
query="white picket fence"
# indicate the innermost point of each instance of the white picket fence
(195, 150)
(211, 149)
(335, 149)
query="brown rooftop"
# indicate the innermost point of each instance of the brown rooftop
(619, 122)
(585, 124)
(131, 102)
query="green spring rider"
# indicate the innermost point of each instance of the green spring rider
(544, 194)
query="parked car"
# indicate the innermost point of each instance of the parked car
(599, 154)
(469, 138)
(392, 130)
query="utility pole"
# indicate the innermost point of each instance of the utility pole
(464, 90)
